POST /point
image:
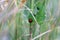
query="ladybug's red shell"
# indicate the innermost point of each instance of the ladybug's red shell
(30, 20)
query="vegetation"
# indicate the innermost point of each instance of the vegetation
(29, 20)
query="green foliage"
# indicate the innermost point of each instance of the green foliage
(18, 24)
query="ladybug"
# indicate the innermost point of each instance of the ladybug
(30, 20)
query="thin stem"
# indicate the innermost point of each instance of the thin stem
(30, 37)
(41, 34)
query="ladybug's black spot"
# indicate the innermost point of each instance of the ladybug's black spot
(37, 8)
(30, 20)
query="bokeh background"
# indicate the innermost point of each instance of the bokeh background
(29, 19)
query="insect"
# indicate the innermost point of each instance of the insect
(30, 20)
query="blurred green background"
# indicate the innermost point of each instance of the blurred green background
(29, 19)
